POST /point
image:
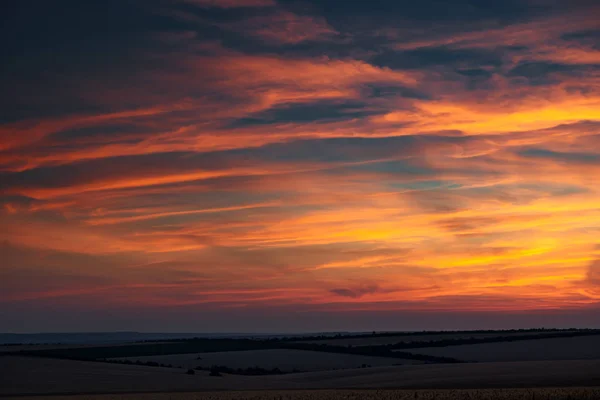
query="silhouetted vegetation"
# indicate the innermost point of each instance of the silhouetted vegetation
(502, 333)
(374, 351)
(493, 339)
(254, 371)
(153, 349)
(138, 362)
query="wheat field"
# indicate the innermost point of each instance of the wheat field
(474, 394)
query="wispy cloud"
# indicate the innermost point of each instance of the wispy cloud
(284, 27)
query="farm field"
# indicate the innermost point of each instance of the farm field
(23, 375)
(385, 340)
(479, 394)
(472, 375)
(575, 348)
(285, 360)
(31, 376)
(59, 346)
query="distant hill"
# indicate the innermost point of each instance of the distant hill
(114, 337)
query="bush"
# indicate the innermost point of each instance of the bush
(190, 372)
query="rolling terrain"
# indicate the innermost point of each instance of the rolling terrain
(568, 348)
(31, 376)
(502, 359)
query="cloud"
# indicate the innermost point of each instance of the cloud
(593, 273)
(355, 293)
(230, 3)
(359, 291)
(284, 27)
(225, 155)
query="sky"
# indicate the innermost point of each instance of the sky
(299, 165)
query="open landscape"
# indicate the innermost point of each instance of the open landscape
(300, 200)
(35, 376)
(198, 365)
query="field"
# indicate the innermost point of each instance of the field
(489, 394)
(576, 348)
(285, 360)
(31, 376)
(37, 347)
(24, 375)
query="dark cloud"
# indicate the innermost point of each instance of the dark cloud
(357, 292)
(567, 157)
(312, 112)
(540, 69)
(593, 273)
(586, 36)
(319, 154)
(429, 10)
(439, 56)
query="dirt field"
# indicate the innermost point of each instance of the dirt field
(576, 348)
(485, 394)
(285, 360)
(22, 376)
(385, 340)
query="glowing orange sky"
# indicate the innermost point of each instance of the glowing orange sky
(255, 154)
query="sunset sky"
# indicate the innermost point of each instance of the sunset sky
(302, 165)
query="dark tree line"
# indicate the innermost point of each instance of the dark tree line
(374, 351)
(217, 370)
